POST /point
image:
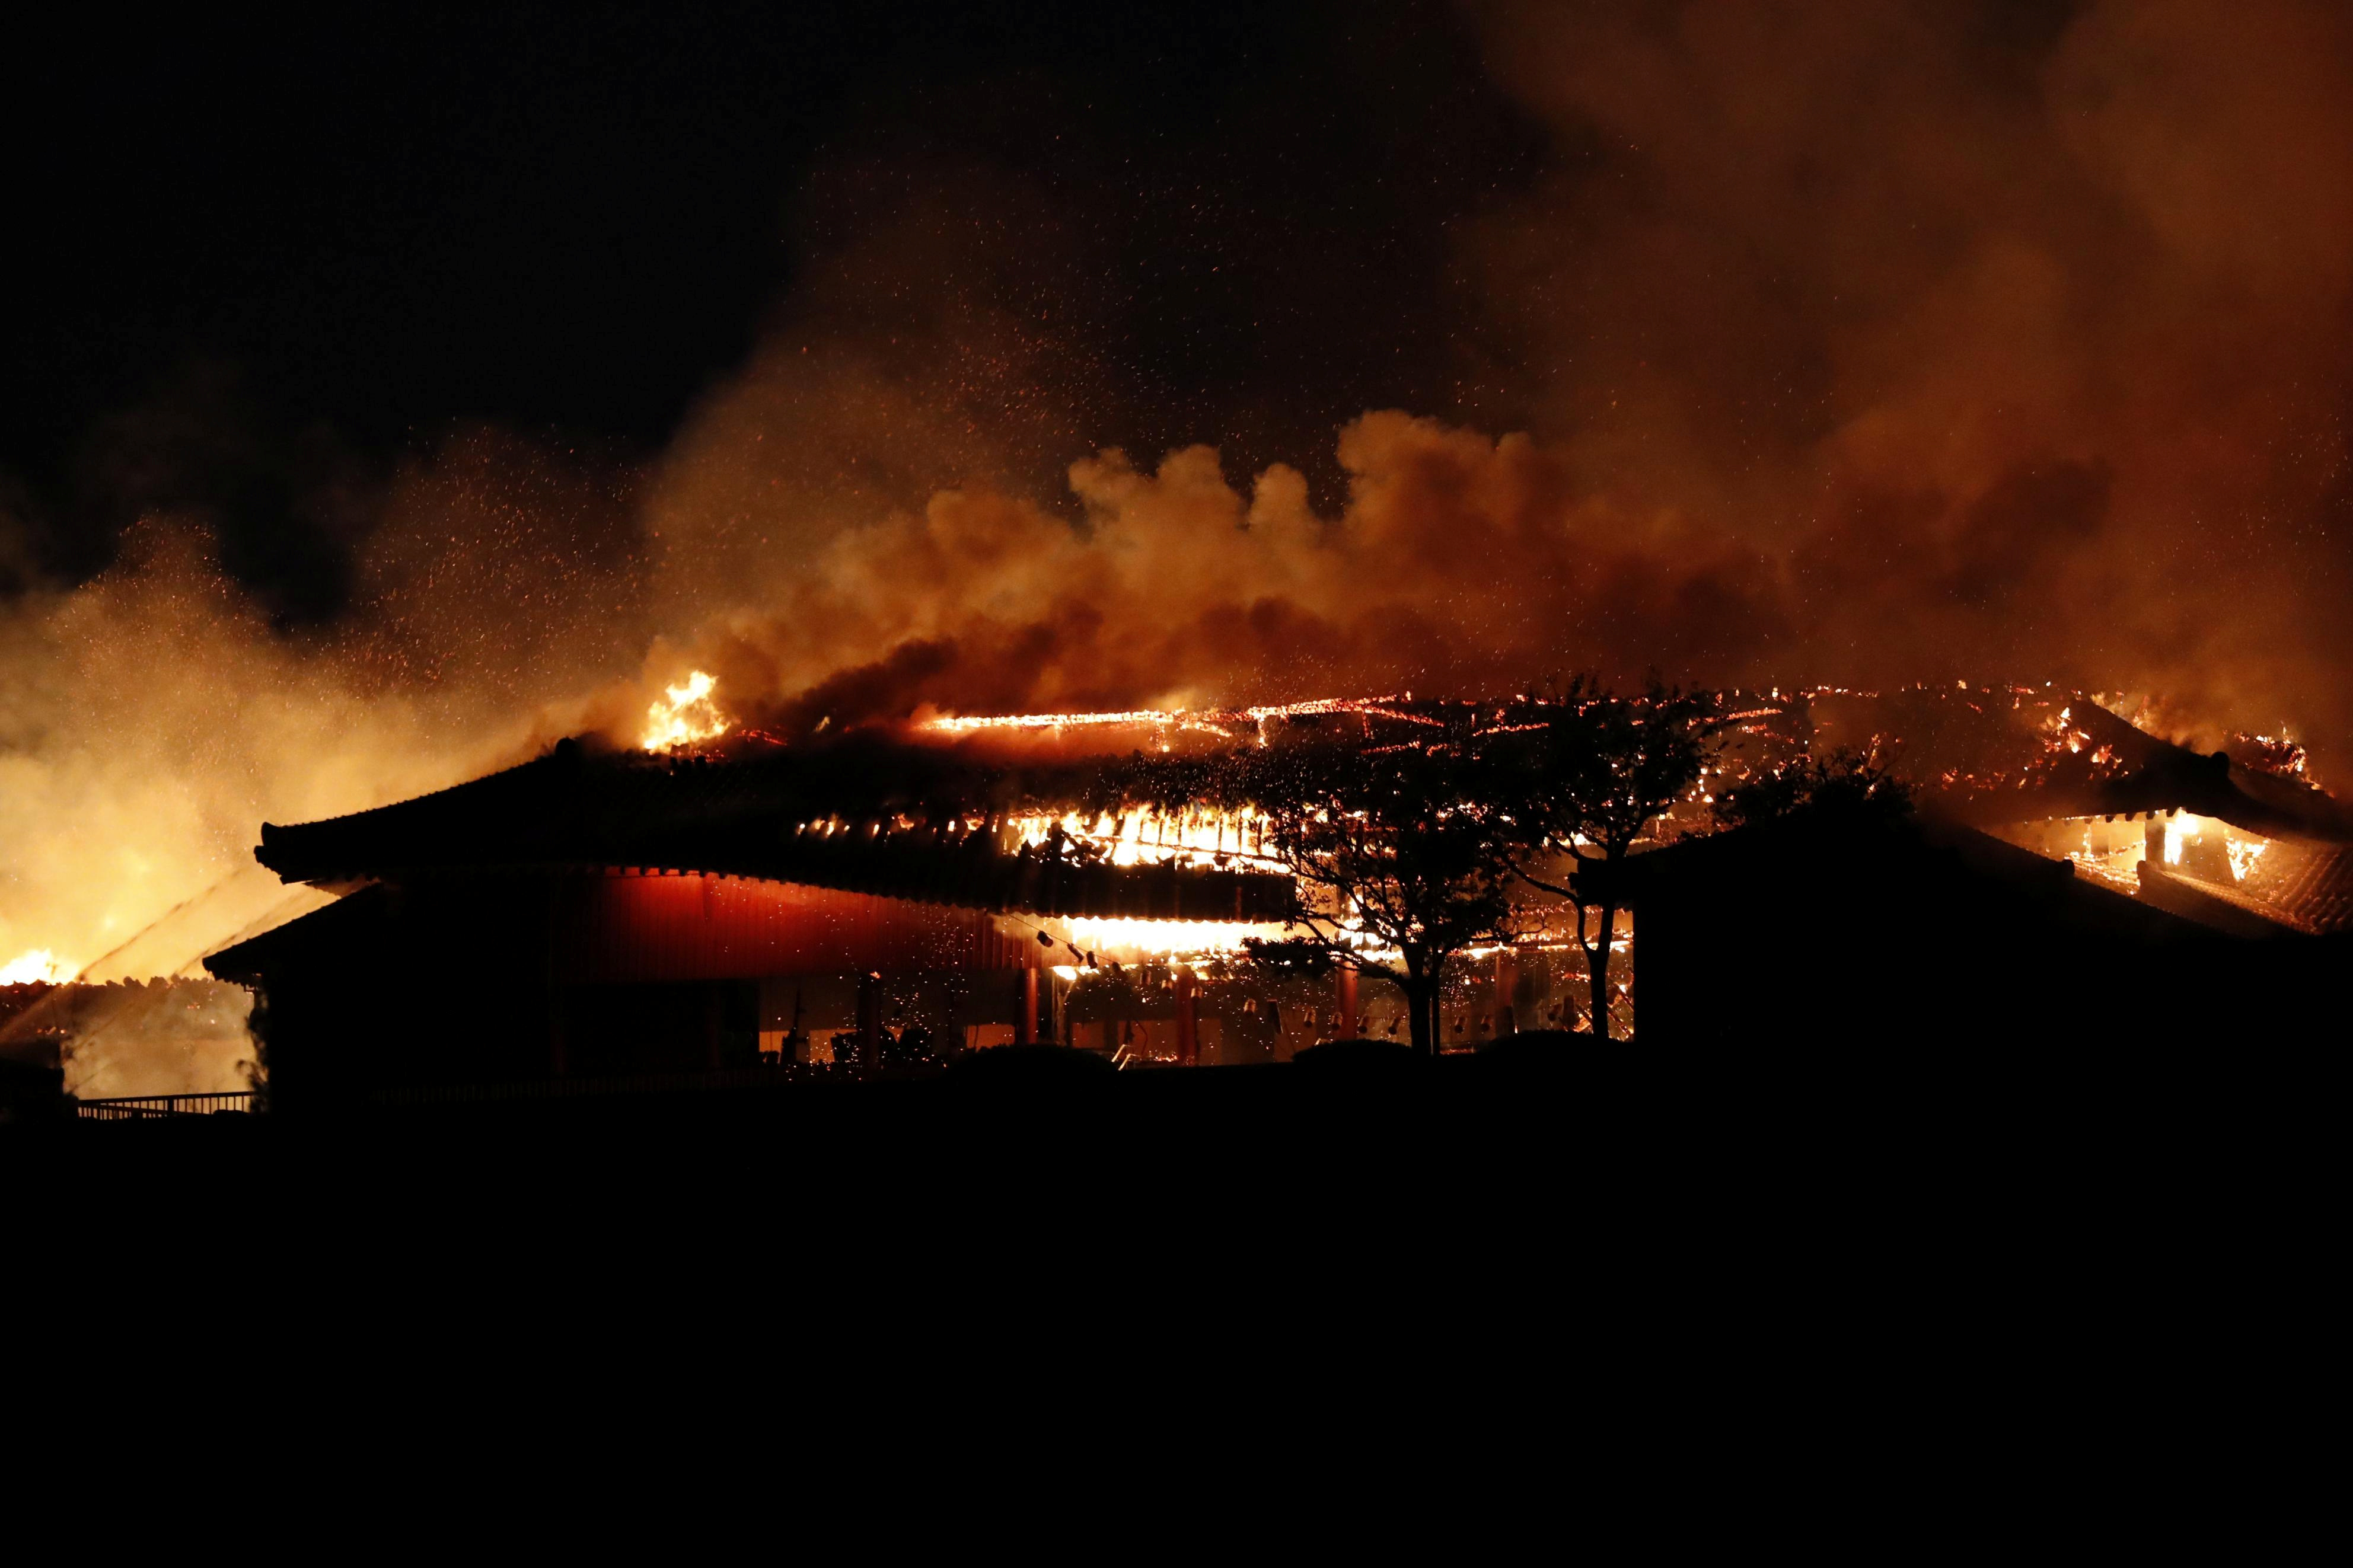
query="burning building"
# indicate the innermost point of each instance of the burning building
(720, 898)
(601, 913)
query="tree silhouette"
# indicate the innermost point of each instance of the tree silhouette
(1397, 849)
(1595, 770)
(1842, 778)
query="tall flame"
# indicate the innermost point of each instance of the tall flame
(684, 714)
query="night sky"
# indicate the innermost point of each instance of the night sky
(266, 258)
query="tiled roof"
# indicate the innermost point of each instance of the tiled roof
(750, 818)
(2292, 888)
(2222, 905)
(2309, 885)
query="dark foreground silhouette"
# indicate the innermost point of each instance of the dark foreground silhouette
(1041, 1066)
(1345, 1121)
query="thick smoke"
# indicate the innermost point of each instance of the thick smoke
(2015, 335)
(1459, 561)
(151, 721)
(1852, 344)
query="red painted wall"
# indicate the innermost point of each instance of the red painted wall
(621, 927)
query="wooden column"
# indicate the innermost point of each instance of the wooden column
(1343, 994)
(1507, 979)
(1025, 1017)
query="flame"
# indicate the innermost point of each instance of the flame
(2278, 755)
(1214, 838)
(684, 715)
(1172, 938)
(2181, 829)
(36, 965)
(2243, 856)
(1226, 723)
(962, 725)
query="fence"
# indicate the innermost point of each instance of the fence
(149, 1107)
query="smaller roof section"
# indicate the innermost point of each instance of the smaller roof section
(1849, 872)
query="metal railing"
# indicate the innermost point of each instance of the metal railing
(149, 1107)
